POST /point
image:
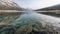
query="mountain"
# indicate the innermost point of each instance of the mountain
(9, 5)
(55, 7)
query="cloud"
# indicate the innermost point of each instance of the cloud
(36, 4)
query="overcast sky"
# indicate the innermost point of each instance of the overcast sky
(37, 4)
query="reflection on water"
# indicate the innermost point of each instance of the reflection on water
(9, 18)
(22, 29)
(6, 18)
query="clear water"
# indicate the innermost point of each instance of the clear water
(15, 18)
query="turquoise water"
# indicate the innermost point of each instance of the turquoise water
(7, 17)
(10, 18)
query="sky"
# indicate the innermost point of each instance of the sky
(36, 4)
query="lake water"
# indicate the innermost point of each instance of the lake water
(12, 16)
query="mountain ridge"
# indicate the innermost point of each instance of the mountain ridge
(54, 7)
(9, 5)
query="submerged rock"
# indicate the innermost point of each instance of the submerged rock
(31, 23)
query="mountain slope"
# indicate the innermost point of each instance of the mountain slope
(9, 5)
(55, 7)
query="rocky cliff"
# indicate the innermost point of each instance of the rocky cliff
(9, 5)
